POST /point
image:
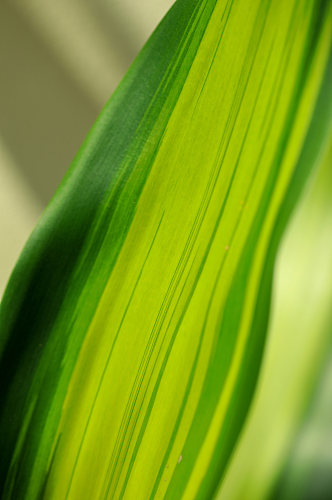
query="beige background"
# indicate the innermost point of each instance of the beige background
(59, 63)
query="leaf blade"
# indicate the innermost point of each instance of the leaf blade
(173, 341)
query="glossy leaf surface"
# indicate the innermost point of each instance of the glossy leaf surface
(134, 322)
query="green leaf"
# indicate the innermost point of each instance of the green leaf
(305, 471)
(133, 324)
(299, 340)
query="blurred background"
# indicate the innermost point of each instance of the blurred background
(59, 63)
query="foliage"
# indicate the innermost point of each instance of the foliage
(133, 325)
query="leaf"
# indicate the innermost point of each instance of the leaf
(307, 471)
(134, 321)
(299, 339)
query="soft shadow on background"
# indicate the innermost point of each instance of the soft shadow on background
(60, 62)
